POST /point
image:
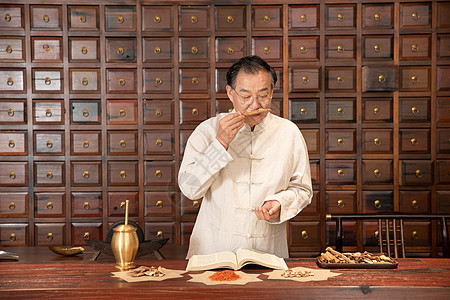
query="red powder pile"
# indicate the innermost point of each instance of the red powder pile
(225, 275)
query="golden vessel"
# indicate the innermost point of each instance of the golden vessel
(125, 243)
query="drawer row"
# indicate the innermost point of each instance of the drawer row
(197, 81)
(162, 173)
(227, 18)
(228, 49)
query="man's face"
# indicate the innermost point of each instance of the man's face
(252, 91)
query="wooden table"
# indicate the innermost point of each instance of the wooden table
(40, 273)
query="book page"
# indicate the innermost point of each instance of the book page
(245, 256)
(210, 261)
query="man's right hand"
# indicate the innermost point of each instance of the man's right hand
(229, 127)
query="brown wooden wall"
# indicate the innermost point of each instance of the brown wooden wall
(98, 98)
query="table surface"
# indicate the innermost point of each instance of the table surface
(40, 273)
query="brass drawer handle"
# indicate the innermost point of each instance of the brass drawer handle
(46, 18)
(305, 80)
(305, 235)
(267, 19)
(230, 50)
(49, 144)
(195, 80)
(157, 19)
(12, 237)
(83, 19)
(122, 143)
(11, 112)
(47, 81)
(122, 112)
(377, 173)
(9, 49)
(195, 112)
(340, 49)
(10, 81)
(160, 234)
(122, 81)
(158, 143)
(8, 18)
(340, 111)
(377, 141)
(86, 205)
(267, 50)
(415, 16)
(48, 112)
(46, 47)
(377, 17)
(414, 235)
(12, 206)
(158, 112)
(376, 110)
(419, 174)
(303, 18)
(303, 111)
(120, 19)
(123, 174)
(194, 19)
(86, 236)
(340, 141)
(86, 144)
(414, 47)
(377, 48)
(84, 81)
(303, 49)
(84, 50)
(49, 174)
(159, 204)
(340, 204)
(157, 50)
(158, 80)
(12, 175)
(194, 50)
(377, 204)
(11, 144)
(414, 79)
(381, 79)
(375, 234)
(49, 205)
(120, 51)
(340, 17)
(230, 20)
(340, 173)
(158, 174)
(86, 174)
(415, 110)
(414, 142)
(195, 204)
(123, 204)
(85, 113)
(50, 236)
(414, 204)
(340, 79)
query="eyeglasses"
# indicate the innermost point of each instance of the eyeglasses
(248, 99)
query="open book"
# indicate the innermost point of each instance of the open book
(236, 261)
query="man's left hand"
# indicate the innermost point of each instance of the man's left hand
(270, 210)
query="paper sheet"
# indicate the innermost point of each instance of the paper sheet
(319, 275)
(169, 274)
(204, 278)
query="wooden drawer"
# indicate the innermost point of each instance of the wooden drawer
(159, 173)
(230, 18)
(159, 204)
(12, 80)
(267, 17)
(379, 79)
(338, 47)
(122, 112)
(443, 202)
(443, 10)
(86, 142)
(340, 16)
(305, 110)
(304, 234)
(269, 49)
(13, 235)
(303, 17)
(158, 112)
(49, 234)
(85, 81)
(121, 50)
(377, 110)
(87, 204)
(415, 15)
(82, 232)
(49, 173)
(443, 47)
(116, 204)
(159, 142)
(194, 81)
(157, 50)
(415, 202)
(377, 141)
(414, 110)
(377, 172)
(85, 112)
(341, 202)
(443, 140)
(223, 106)
(160, 230)
(193, 19)
(315, 171)
(221, 81)
(86, 173)
(312, 139)
(417, 233)
(157, 18)
(349, 233)
(415, 78)
(377, 202)
(122, 142)
(46, 17)
(184, 136)
(84, 49)
(193, 112)
(11, 17)
(83, 17)
(121, 81)
(194, 49)
(443, 110)
(13, 143)
(443, 78)
(375, 46)
(48, 142)
(13, 49)
(370, 234)
(304, 48)
(13, 205)
(376, 16)
(122, 173)
(188, 206)
(230, 49)
(416, 172)
(48, 112)
(45, 49)
(120, 18)
(50, 204)
(415, 47)
(48, 81)
(443, 171)
(342, 78)
(305, 79)
(13, 174)
(340, 171)
(12, 112)
(414, 140)
(342, 141)
(158, 81)
(341, 110)
(313, 207)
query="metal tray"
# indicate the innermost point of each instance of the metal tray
(356, 266)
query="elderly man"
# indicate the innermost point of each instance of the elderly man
(250, 166)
